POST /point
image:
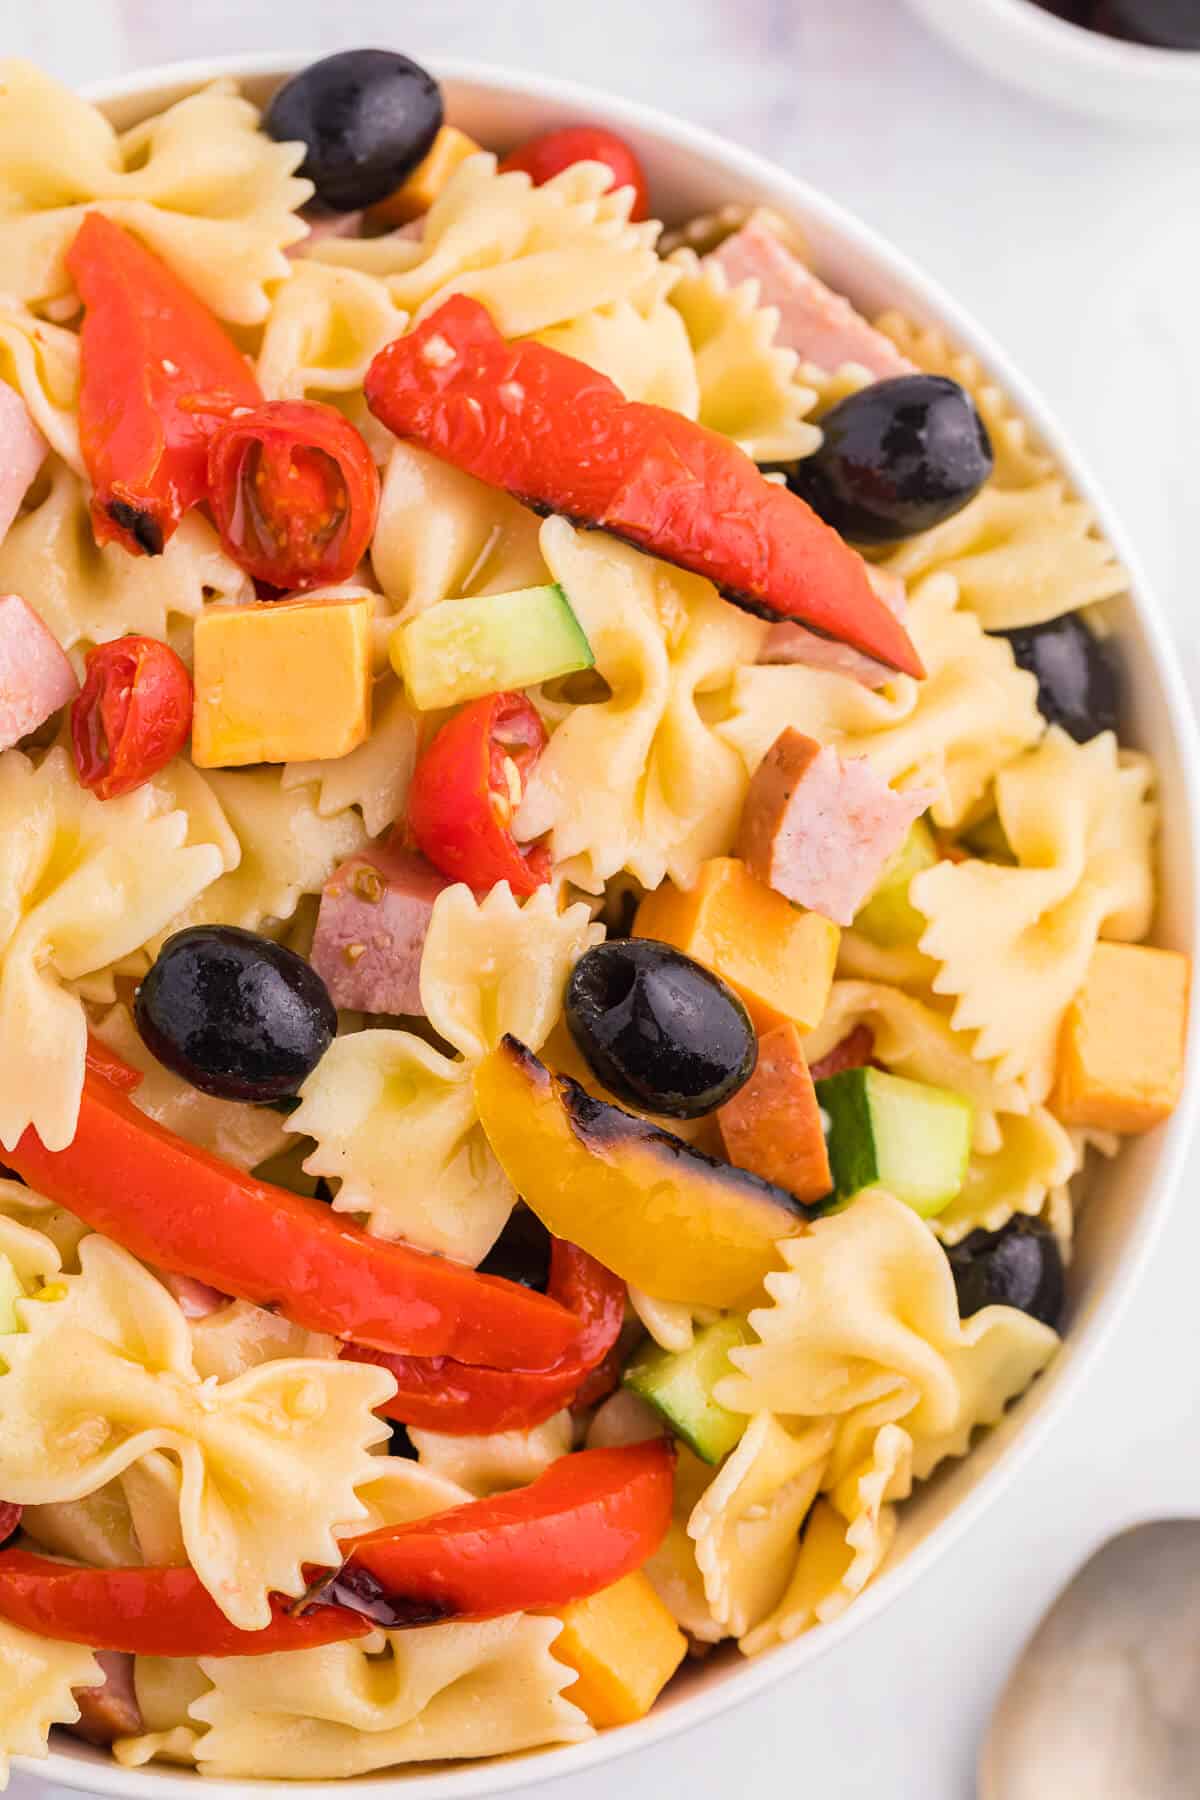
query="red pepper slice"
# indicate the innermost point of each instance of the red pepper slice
(551, 152)
(147, 342)
(591, 1519)
(103, 1061)
(562, 438)
(461, 801)
(441, 1395)
(294, 491)
(186, 1211)
(152, 1612)
(132, 715)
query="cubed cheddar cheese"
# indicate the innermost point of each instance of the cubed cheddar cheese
(1121, 1053)
(283, 681)
(624, 1645)
(417, 193)
(779, 959)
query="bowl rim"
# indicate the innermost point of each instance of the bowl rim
(1049, 35)
(98, 1773)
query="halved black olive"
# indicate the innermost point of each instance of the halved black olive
(1020, 1265)
(234, 1013)
(896, 458)
(366, 117)
(659, 1030)
(1077, 674)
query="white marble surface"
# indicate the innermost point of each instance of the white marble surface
(1079, 247)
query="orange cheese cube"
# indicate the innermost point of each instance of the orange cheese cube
(417, 193)
(779, 959)
(1120, 1057)
(281, 681)
(772, 1126)
(624, 1646)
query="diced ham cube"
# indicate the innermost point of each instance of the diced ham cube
(820, 326)
(111, 1710)
(195, 1299)
(772, 1126)
(35, 676)
(371, 928)
(22, 452)
(787, 643)
(327, 225)
(819, 828)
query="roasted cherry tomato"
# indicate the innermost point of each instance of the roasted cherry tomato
(466, 788)
(294, 491)
(132, 715)
(551, 152)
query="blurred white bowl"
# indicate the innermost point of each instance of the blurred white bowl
(1069, 65)
(692, 171)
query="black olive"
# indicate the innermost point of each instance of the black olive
(1020, 1265)
(235, 1014)
(401, 1444)
(366, 117)
(1077, 675)
(659, 1030)
(896, 458)
(1167, 24)
(522, 1252)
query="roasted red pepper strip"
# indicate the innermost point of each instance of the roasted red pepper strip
(152, 1612)
(183, 1210)
(440, 1395)
(294, 491)
(147, 343)
(589, 1520)
(461, 804)
(132, 715)
(562, 438)
(103, 1061)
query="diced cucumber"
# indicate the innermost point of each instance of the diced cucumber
(988, 839)
(906, 1136)
(11, 1290)
(462, 649)
(889, 918)
(680, 1386)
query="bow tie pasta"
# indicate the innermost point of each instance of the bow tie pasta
(40, 362)
(37, 1683)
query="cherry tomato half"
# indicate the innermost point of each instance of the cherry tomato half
(132, 715)
(466, 787)
(294, 491)
(553, 151)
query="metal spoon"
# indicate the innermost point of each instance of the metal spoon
(1104, 1701)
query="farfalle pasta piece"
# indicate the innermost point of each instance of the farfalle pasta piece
(442, 535)
(200, 184)
(237, 1133)
(668, 647)
(535, 257)
(440, 1692)
(746, 1525)
(1080, 823)
(496, 1461)
(950, 733)
(37, 1679)
(867, 1307)
(845, 1540)
(20, 1204)
(1024, 1175)
(166, 1687)
(324, 328)
(240, 1336)
(749, 386)
(643, 346)
(375, 777)
(100, 1379)
(41, 361)
(83, 882)
(395, 1120)
(88, 594)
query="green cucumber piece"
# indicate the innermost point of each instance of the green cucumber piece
(462, 649)
(905, 1136)
(889, 919)
(11, 1290)
(679, 1384)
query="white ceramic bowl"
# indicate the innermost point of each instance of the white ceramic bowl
(694, 171)
(1082, 70)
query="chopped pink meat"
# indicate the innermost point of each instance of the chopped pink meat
(327, 225)
(10, 1518)
(788, 643)
(820, 326)
(22, 452)
(819, 827)
(110, 1710)
(35, 676)
(195, 1299)
(371, 928)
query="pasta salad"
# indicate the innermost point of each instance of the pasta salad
(571, 909)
